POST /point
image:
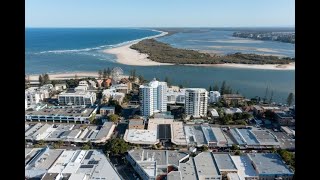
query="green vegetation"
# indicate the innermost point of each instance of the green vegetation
(44, 79)
(87, 146)
(164, 53)
(235, 147)
(116, 146)
(290, 99)
(288, 157)
(237, 153)
(114, 118)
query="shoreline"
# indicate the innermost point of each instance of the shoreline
(126, 55)
(65, 75)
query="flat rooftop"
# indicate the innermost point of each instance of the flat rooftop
(244, 166)
(224, 162)
(249, 138)
(70, 132)
(141, 136)
(222, 140)
(208, 134)
(205, 165)
(62, 111)
(269, 163)
(195, 135)
(153, 161)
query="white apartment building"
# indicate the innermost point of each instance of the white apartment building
(214, 96)
(34, 95)
(153, 98)
(196, 102)
(176, 95)
(77, 98)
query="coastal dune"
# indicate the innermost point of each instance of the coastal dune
(128, 56)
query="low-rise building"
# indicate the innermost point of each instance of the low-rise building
(136, 124)
(235, 99)
(69, 132)
(213, 113)
(270, 166)
(232, 110)
(69, 164)
(60, 87)
(77, 98)
(284, 118)
(60, 114)
(107, 110)
(153, 164)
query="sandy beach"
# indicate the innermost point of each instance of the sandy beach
(128, 56)
(290, 66)
(61, 76)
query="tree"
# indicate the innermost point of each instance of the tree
(41, 80)
(235, 147)
(114, 118)
(237, 153)
(76, 77)
(180, 86)
(141, 79)
(223, 88)
(100, 74)
(46, 79)
(104, 74)
(108, 72)
(116, 146)
(205, 148)
(210, 88)
(166, 79)
(134, 74)
(290, 99)
(226, 119)
(85, 147)
(215, 87)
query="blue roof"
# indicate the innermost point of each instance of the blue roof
(269, 164)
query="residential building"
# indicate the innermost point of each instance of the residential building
(77, 98)
(35, 95)
(107, 110)
(284, 118)
(234, 99)
(60, 87)
(196, 102)
(214, 96)
(153, 98)
(175, 95)
(112, 93)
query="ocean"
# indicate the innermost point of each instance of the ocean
(57, 50)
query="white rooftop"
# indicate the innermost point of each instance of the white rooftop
(244, 166)
(141, 136)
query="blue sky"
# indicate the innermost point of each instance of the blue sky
(159, 13)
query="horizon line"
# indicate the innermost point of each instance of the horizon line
(291, 26)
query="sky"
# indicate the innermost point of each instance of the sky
(159, 13)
